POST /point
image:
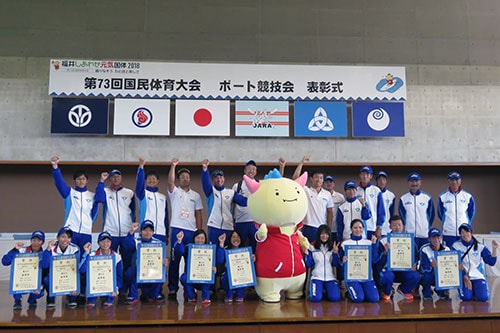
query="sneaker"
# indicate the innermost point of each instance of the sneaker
(408, 296)
(228, 300)
(239, 299)
(32, 304)
(192, 300)
(51, 302)
(172, 294)
(18, 305)
(90, 305)
(72, 304)
(160, 299)
(385, 297)
(207, 302)
(427, 298)
(107, 304)
(161, 296)
(131, 301)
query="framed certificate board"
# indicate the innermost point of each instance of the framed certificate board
(448, 273)
(401, 256)
(64, 275)
(101, 275)
(150, 266)
(200, 263)
(25, 273)
(358, 266)
(240, 268)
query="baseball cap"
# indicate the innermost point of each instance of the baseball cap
(381, 174)
(465, 226)
(434, 232)
(366, 168)
(38, 234)
(350, 184)
(181, 170)
(147, 224)
(414, 176)
(329, 178)
(454, 175)
(115, 172)
(217, 173)
(65, 230)
(103, 235)
(251, 162)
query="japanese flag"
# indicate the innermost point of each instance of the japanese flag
(202, 118)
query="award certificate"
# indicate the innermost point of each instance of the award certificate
(448, 273)
(25, 273)
(150, 266)
(64, 275)
(200, 263)
(101, 275)
(358, 266)
(401, 255)
(240, 268)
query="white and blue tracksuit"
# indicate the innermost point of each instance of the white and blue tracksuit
(321, 261)
(152, 206)
(374, 200)
(219, 204)
(80, 209)
(453, 210)
(427, 255)
(362, 291)
(351, 209)
(473, 261)
(417, 212)
(389, 199)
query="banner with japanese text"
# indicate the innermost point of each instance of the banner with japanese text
(134, 79)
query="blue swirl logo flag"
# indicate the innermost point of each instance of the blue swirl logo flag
(378, 119)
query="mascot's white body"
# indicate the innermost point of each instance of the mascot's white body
(278, 205)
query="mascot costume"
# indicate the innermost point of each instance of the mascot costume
(278, 205)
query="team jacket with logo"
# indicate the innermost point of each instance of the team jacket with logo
(152, 205)
(417, 212)
(351, 209)
(455, 209)
(375, 202)
(219, 202)
(119, 210)
(474, 260)
(80, 209)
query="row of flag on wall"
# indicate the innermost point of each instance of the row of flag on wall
(252, 118)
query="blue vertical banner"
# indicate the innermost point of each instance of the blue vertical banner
(378, 119)
(79, 116)
(320, 119)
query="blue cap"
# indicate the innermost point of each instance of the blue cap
(329, 179)
(65, 230)
(350, 184)
(147, 224)
(366, 168)
(414, 176)
(454, 175)
(465, 226)
(434, 232)
(103, 235)
(38, 234)
(217, 173)
(115, 172)
(381, 174)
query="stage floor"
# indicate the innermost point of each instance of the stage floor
(252, 311)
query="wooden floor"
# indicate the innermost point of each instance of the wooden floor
(254, 316)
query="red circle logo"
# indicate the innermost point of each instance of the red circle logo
(202, 117)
